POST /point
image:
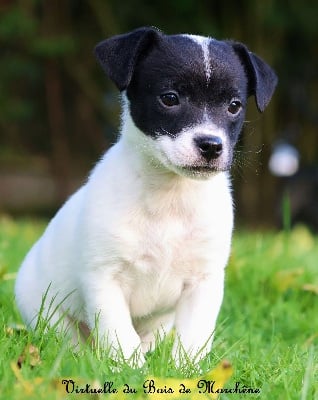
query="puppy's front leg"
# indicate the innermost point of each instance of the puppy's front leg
(107, 308)
(196, 316)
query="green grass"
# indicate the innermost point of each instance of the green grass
(267, 328)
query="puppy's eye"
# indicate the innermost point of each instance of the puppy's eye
(234, 107)
(169, 99)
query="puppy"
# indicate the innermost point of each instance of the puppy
(142, 246)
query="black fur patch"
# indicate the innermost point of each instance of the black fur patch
(176, 64)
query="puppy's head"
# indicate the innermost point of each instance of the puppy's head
(187, 94)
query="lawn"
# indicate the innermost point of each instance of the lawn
(267, 328)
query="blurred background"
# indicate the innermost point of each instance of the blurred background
(58, 112)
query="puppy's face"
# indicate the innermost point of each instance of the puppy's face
(188, 94)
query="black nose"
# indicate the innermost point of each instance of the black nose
(210, 147)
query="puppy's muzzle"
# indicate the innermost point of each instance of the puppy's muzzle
(210, 147)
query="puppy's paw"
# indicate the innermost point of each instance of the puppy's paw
(129, 352)
(184, 357)
(135, 360)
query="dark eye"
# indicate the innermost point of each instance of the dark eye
(234, 107)
(169, 99)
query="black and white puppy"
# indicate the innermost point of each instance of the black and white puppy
(142, 246)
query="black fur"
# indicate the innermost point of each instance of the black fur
(119, 54)
(262, 79)
(175, 64)
(148, 64)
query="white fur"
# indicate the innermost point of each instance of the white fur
(204, 41)
(138, 247)
(181, 151)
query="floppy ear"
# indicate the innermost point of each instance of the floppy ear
(262, 79)
(118, 55)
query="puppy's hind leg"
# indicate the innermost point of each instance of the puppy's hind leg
(50, 313)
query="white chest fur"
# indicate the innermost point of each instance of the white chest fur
(163, 233)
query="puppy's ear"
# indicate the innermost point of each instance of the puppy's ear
(118, 55)
(262, 80)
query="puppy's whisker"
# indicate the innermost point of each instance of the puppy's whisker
(165, 131)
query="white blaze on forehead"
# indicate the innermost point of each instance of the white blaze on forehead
(204, 43)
